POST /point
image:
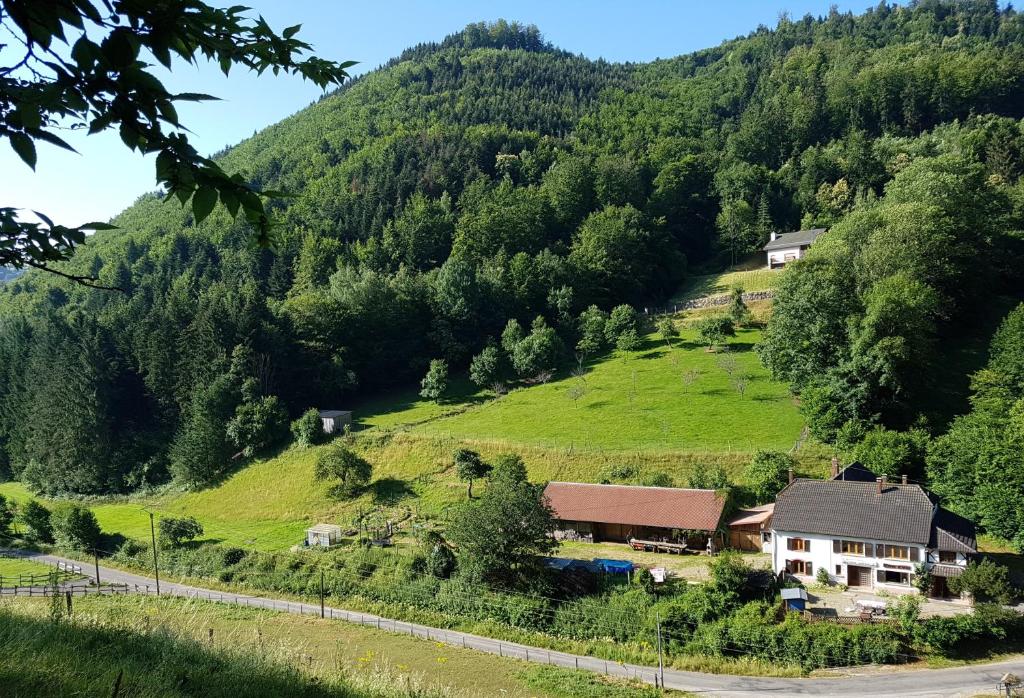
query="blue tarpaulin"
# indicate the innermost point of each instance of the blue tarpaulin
(614, 566)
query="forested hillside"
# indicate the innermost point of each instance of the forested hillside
(492, 182)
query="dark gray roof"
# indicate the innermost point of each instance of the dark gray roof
(794, 593)
(800, 237)
(953, 533)
(900, 513)
(856, 471)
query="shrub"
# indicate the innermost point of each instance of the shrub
(232, 556)
(435, 383)
(36, 519)
(258, 425)
(485, 368)
(6, 514)
(985, 581)
(623, 319)
(176, 530)
(75, 526)
(893, 453)
(738, 311)
(658, 480)
(308, 429)
(767, 473)
(823, 578)
(712, 331)
(349, 471)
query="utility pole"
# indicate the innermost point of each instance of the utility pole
(661, 661)
(321, 593)
(96, 559)
(156, 565)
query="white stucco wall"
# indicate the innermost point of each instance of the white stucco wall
(776, 257)
(821, 556)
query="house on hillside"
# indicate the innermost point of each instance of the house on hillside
(868, 535)
(638, 515)
(334, 421)
(783, 248)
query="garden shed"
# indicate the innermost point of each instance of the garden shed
(335, 420)
(794, 599)
(323, 535)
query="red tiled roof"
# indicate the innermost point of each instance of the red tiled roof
(662, 507)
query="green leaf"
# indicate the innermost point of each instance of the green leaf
(24, 147)
(203, 202)
(195, 97)
(291, 31)
(165, 166)
(120, 48)
(54, 140)
(230, 201)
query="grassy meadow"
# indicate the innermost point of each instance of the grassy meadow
(751, 276)
(679, 398)
(249, 647)
(13, 567)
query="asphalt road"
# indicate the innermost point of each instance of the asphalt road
(960, 681)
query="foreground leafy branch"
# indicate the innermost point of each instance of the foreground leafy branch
(82, 67)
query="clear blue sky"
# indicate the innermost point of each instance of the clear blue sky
(106, 177)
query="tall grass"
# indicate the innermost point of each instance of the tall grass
(104, 655)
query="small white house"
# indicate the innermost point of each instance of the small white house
(783, 248)
(868, 535)
(323, 535)
(335, 420)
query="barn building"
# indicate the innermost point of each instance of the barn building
(632, 514)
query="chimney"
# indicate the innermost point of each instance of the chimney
(835, 466)
(774, 236)
(791, 476)
(880, 481)
(904, 479)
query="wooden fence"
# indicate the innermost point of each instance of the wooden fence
(73, 589)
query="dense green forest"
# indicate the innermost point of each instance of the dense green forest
(492, 178)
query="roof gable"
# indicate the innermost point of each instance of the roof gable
(661, 507)
(952, 533)
(856, 471)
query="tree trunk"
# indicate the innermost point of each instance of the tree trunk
(469, 492)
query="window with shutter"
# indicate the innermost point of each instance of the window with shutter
(808, 569)
(807, 547)
(869, 549)
(880, 576)
(789, 544)
(913, 554)
(837, 546)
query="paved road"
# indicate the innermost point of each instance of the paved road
(960, 681)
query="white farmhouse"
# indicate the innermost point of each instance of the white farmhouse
(786, 247)
(868, 535)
